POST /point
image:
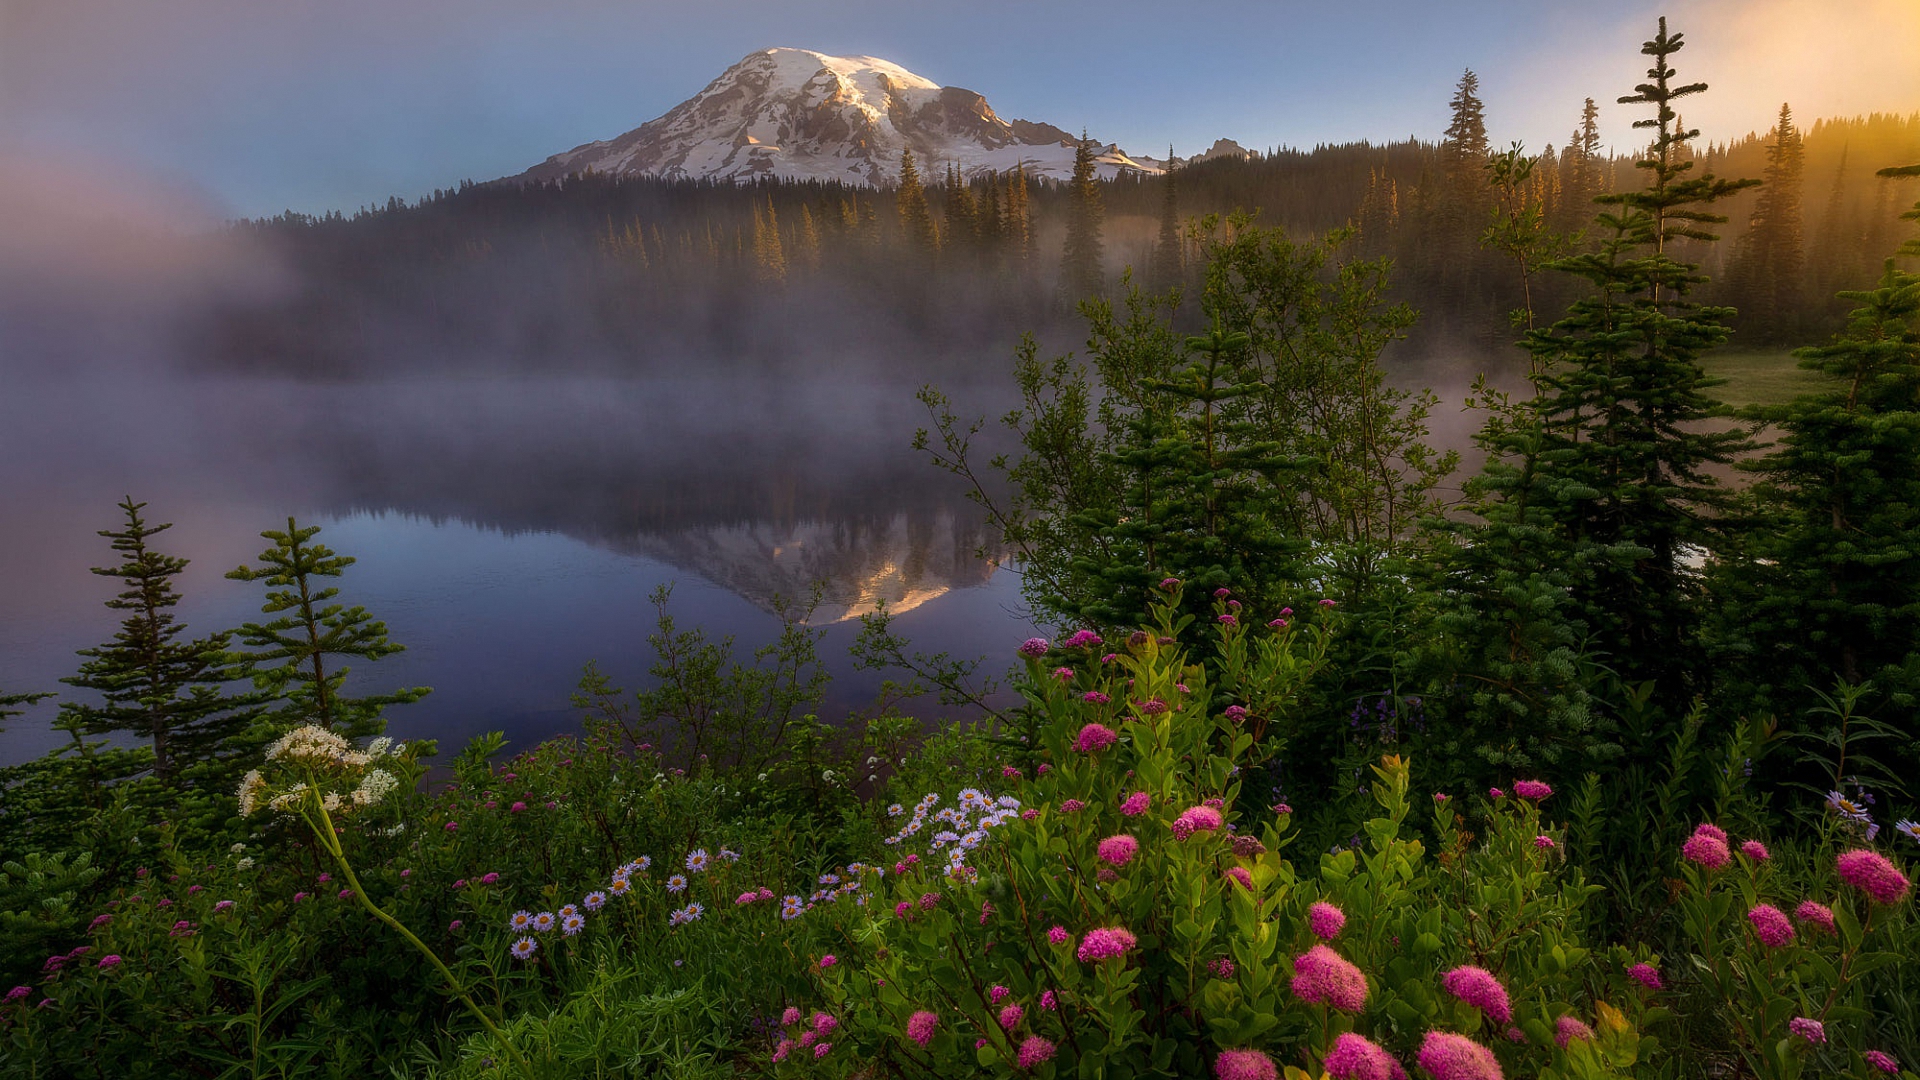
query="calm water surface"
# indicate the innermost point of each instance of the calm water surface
(507, 530)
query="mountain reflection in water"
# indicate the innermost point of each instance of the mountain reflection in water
(507, 530)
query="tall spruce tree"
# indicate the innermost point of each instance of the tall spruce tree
(1623, 403)
(1083, 260)
(296, 657)
(916, 219)
(154, 683)
(1768, 268)
(1828, 587)
(1169, 264)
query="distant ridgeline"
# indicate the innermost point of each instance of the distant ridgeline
(644, 273)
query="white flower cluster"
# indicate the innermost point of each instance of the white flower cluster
(317, 750)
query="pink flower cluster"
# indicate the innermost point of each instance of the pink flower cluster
(1034, 1052)
(1354, 1057)
(1325, 920)
(1707, 847)
(1136, 804)
(1324, 977)
(1568, 1028)
(1811, 1030)
(1244, 1065)
(1871, 873)
(1455, 1057)
(1815, 914)
(1646, 975)
(920, 1026)
(1241, 876)
(1479, 988)
(1770, 925)
(1105, 943)
(1196, 819)
(1882, 1061)
(1532, 789)
(1095, 737)
(1118, 850)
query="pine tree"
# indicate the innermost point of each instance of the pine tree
(963, 224)
(916, 220)
(1169, 264)
(1772, 259)
(1019, 230)
(1581, 179)
(769, 256)
(1623, 402)
(809, 240)
(153, 684)
(8, 701)
(1463, 207)
(1082, 261)
(295, 654)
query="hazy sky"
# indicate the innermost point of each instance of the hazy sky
(259, 105)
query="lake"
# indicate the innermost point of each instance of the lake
(508, 530)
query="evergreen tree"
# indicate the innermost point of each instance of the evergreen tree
(1019, 229)
(1169, 264)
(153, 684)
(963, 224)
(916, 220)
(1772, 261)
(1581, 178)
(1623, 403)
(294, 661)
(1463, 207)
(1083, 261)
(8, 701)
(769, 255)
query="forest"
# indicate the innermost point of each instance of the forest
(1591, 758)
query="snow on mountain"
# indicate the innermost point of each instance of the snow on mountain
(794, 114)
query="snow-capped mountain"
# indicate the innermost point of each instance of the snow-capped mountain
(793, 114)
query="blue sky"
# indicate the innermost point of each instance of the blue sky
(316, 104)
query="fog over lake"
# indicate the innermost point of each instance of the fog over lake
(508, 529)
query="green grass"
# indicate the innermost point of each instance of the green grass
(1760, 377)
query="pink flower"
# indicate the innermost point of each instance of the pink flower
(1479, 988)
(1455, 1057)
(998, 994)
(824, 1023)
(1136, 804)
(790, 1017)
(1325, 920)
(1354, 1057)
(1222, 967)
(1817, 914)
(782, 1049)
(454, 926)
(1072, 806)
(222, 905)
(1706, 850)
(1043, 769)
(517, 808)
(1755, 850)
(1544, 843)
(1105, 943)
(928, 900)
(1008, 772)
(1770, 925)
(109, 962)
(1714, 831)
(1495, 793)
(1871, 873)
(1646, 975)
(745, 898)
(1058, 935)
(828, 961)
(1029, 814)
(1119, 850)
(1064, 674)
(1568, 1028)
(1531, 789)
(1236, 713)
(1034, 647)
(1196, 819)
(1095, 737)
(98, 922)
(1082, 638)
(489, 878)
(920, 1026)
(1884, 1062)
(821, 1050)
(1048, 1001)
(1811, 1030)
(1324, 977)
(1011, 1016)
(451, 826)
(1244, 1065)
(1034, 1051)
(1240, 874)
(808, 1038)
(903, 909)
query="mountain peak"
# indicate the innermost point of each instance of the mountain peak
(797, 114)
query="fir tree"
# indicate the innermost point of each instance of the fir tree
(1623, 401)
(963, 224)
(1772, 259)
(1581, 180)
(1169, 265)
(769, 255)
(8, 701)
(916, 220)
(295, 657)
(1082, 261)
(153, 684)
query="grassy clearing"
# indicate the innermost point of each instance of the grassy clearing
(1759, 377)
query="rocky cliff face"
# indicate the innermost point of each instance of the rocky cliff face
(792, 114)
